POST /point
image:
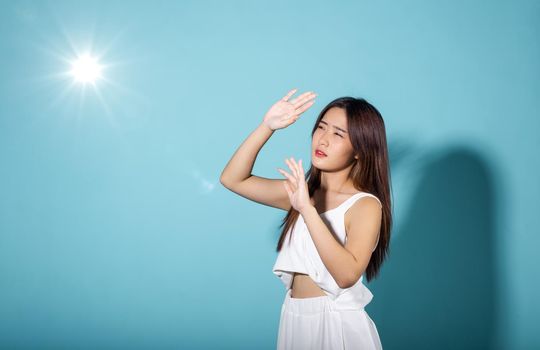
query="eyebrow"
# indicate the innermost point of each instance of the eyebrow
(337, 127)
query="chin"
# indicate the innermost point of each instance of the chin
(319, 167)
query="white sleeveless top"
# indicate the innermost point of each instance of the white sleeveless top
(299, 254)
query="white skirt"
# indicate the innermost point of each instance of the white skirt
(313, 323)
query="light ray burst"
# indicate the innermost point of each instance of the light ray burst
(83, 73)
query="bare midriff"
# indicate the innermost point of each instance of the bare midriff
(304, 287)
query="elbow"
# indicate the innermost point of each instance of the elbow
(228, 183)
(349, 281)
(223, 181)
(345, 284)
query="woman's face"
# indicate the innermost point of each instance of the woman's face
(332, 138)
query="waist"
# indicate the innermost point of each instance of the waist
(304, 287)
(353, 298)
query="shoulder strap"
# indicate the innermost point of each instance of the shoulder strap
(376, 243)
(349, 202)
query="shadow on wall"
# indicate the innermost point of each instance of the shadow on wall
(437, 289)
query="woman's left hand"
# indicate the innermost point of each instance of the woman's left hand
(296, 185)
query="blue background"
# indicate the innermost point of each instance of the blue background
(116, 233)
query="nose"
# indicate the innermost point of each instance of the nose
(323, 140)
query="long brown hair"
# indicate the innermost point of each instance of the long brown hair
(370, 173)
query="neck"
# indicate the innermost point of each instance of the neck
(337, 182)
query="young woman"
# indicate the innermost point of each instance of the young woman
(338, 221)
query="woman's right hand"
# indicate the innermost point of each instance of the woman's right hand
(284, 112)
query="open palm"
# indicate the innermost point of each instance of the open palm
(296, 185)
(284, 112)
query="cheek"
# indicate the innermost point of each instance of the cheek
(345, 150)
(315, 139)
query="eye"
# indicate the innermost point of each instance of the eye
(320, 127)
(338, 134)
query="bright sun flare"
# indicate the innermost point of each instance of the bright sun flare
(86, 69)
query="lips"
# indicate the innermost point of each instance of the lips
(320, 153)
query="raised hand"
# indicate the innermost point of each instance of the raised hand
(284, 112)
(296, 185)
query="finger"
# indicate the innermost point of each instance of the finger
(301, 97)
(304, 108)
(295, 169)
(291, 180)
(288, 189)
(298, 171)
(289, 94)
(291, 166)
(284, 173)
(301, 169)
(292, 185)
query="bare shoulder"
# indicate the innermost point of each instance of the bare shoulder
(366, 210)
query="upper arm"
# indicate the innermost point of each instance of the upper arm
(363, 228)
(265, 191)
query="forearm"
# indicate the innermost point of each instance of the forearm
(338, 260)
(241, 164)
